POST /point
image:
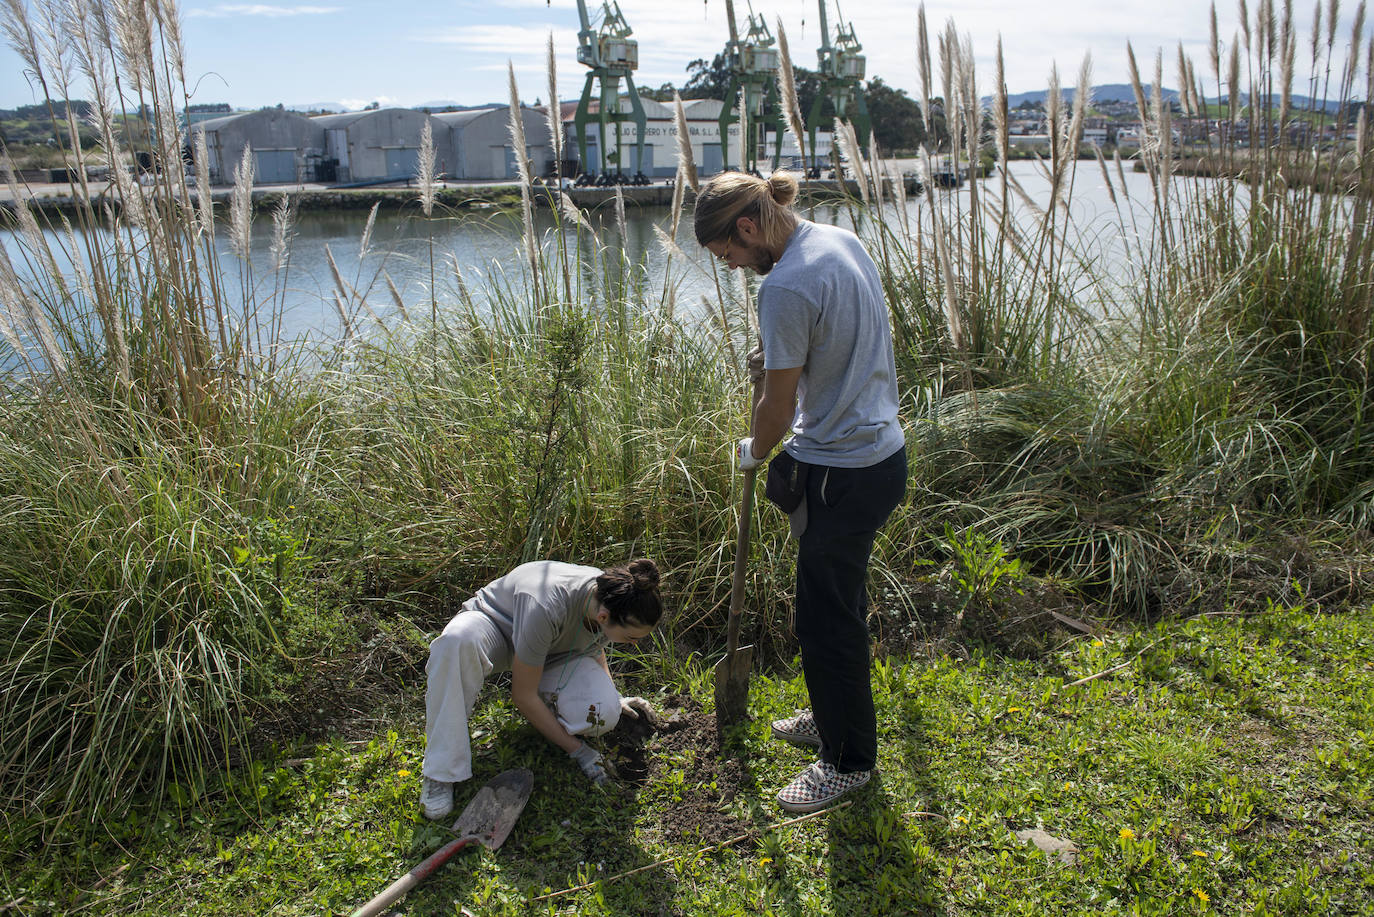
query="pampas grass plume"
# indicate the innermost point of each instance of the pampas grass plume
(787, 87)
(685, 162)
(365, 242)
(424, 168)
(552, 113)
(204, 199)
(282, 218)
(241, 205)
(1001, 116)
(517, 129)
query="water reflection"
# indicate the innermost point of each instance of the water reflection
(478, 254)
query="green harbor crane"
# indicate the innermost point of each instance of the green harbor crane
(841, 74)
(753, 65)
(612, 55)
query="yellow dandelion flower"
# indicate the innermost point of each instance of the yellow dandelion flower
(1126, 834)
(1200, 853)
(1098, 643)
(1201, 895)
(765, 861)
(962, 819)
(403, 773)
(1013, 709)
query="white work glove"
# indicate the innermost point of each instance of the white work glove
(589, 759)
(754, 363)
(637, 708)
(746, 454)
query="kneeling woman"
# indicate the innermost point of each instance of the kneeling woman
(549, 623)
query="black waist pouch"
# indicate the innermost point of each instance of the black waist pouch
(785, 485)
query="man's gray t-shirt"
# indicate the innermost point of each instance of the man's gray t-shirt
(541, 609)
(821, 307)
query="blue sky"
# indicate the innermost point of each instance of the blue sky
(402, 52)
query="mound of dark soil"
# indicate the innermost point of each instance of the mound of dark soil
(684, 742)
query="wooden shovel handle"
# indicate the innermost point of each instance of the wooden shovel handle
(398, 889)
(746, 515)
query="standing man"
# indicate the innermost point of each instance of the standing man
(829, 376)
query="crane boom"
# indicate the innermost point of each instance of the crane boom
(753, 64)
(612, 55)
(841, 73)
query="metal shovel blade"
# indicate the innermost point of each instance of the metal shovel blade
(487, 820)
(491, 814)
(732, 686)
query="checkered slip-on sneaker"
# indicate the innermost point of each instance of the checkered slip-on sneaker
(818, 786)
(800, 729)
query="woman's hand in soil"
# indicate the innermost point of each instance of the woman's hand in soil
(589, 759)
(638, 708)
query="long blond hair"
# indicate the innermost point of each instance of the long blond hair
(731, 195)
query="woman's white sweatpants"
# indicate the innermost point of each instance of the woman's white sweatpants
(471, 648)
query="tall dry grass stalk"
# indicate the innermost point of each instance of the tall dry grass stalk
(621, 224)
(742, 137)
(425, 179)
(522, 163)
(241, 206)
(848, 145)
(787, 88)
(686, 163)
(424, 169)
(552, 112)
(553, 120)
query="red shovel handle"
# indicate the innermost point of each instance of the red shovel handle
(397, 890)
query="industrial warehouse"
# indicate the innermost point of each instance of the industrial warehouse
(471, 145)
(609, 137)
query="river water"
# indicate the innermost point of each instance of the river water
(485, 247)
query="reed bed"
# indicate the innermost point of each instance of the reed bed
(194, 510)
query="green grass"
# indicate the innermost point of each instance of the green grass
(1230, 758)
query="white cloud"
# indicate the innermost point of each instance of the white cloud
(505, 40)
(360, 104)
(259, 9)
(532, 4)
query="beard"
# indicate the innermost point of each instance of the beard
(758, 259)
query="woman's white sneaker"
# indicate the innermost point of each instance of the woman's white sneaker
(436, 798)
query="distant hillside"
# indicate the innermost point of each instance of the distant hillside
(441, 105)
(1122, 92)
(334, 107)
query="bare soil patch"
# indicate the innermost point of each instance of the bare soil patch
(684, 742)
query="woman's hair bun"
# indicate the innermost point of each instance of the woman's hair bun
(630, 592)
(645, 573)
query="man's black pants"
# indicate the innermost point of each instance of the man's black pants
(845, 509)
